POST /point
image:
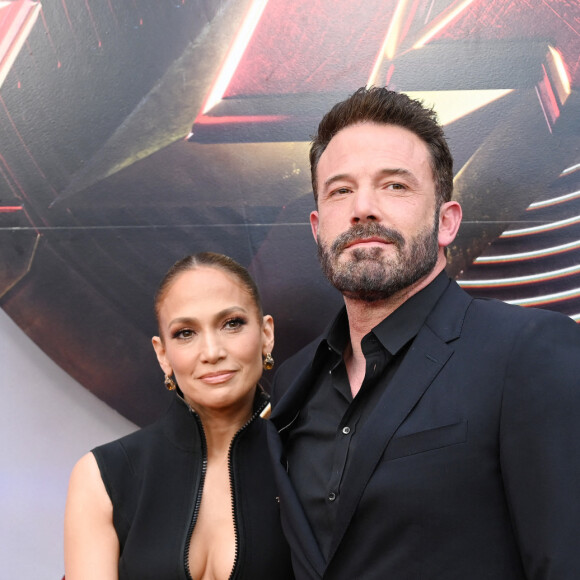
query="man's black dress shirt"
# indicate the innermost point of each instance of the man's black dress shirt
(323, 439)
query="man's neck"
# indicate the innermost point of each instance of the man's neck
(364, 316)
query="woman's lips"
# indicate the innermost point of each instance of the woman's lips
(216, 378)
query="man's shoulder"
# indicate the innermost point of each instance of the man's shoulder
(500, 310)
(460, 314)
(299, 360)
(495, 317)
(292, 368)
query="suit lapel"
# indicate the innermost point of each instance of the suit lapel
(425, 359)
(290, 403)
(427, 356)
(295, 523)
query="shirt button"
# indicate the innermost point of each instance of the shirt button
(331, 496)
(346, 430)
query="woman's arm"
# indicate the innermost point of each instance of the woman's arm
(91, 547)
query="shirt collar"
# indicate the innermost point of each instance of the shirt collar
(404, 323)
(394, 331)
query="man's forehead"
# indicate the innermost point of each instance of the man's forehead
(391, 148)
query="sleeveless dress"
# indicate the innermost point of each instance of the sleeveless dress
(154, 478)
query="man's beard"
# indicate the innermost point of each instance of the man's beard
(368, 275)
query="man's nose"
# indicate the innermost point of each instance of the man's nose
(365, 205)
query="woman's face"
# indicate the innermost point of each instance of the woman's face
(212, 340)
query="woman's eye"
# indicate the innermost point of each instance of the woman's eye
(234, 323)
(183, 333)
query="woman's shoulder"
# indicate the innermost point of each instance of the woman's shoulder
(139, 440)
(124, 447)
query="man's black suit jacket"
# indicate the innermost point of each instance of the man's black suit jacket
(469, 466)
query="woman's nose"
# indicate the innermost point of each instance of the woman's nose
(212, 348)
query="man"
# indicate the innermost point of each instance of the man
(425, 435)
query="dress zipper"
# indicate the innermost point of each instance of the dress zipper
(199, 493)
(201, 483)
(233, 487)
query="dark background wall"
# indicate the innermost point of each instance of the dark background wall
(101, 190)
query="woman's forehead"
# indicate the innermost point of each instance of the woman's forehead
(207, 287)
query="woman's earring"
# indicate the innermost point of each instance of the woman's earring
(268, 362)
(169, 383)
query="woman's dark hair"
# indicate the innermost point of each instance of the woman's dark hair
(385, 107)
(212, 260)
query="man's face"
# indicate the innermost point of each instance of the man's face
(377, 221)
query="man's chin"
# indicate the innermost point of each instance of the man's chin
(367, 296)
(362, 253)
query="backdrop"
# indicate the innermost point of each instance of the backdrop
(133, 133)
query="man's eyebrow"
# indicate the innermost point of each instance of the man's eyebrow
(408, 175)
(335, 178)
(387, 171)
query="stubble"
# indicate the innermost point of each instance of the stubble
(368, 275)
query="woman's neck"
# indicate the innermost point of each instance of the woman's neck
(221, 425)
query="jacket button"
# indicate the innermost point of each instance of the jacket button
(346, 430)
(331, 496)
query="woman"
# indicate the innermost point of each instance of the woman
(191, 496)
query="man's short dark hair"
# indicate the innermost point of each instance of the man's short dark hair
(385, 107)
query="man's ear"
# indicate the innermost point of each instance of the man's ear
(159, 348)
(449, 221)
(314, 224)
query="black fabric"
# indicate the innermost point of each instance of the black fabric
(153, 477)
(468, 465)
(323, 439)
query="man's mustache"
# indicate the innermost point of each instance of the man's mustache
(359, 232)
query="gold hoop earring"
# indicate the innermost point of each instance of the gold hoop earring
(268, 363)
(170, 383)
